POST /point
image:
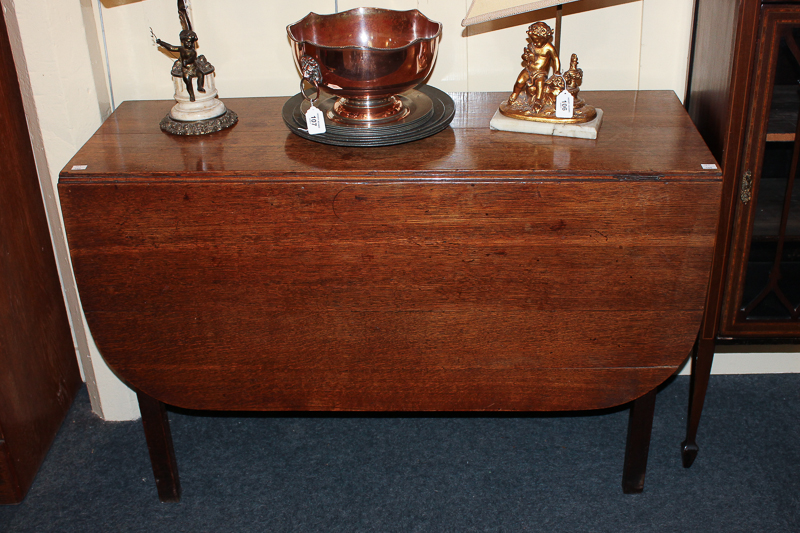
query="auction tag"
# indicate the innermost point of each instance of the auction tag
(564, 103)
(315, 121)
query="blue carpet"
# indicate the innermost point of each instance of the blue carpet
(433, 473)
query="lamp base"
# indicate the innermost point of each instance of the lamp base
(198, 127)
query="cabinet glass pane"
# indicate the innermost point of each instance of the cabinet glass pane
(772, 281)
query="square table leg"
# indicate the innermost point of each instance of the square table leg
(159, 444)
(640, 425)
(702, 359)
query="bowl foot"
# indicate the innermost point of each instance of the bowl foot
(368, 111)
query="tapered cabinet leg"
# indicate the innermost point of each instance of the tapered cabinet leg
(159, 444)
(702, 359)
(640, 426)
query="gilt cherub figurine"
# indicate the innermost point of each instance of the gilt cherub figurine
(538, 57)
(200, 112)
(537, 88)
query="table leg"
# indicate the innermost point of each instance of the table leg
(640, 425)
(702, 358)
(159, 444)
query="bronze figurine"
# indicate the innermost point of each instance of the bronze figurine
(190, 65)
(194, 114)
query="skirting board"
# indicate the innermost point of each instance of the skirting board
(744, 360)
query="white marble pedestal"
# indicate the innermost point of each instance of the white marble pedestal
(205, 105)
(587, 130)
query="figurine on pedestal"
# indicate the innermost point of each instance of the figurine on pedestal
(200, 112)
(543, 94)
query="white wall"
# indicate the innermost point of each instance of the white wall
(749, 359)
(621, 44)
(68, 44)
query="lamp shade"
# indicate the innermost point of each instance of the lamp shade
(486, 10)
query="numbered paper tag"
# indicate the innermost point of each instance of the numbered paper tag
(564, 103)
(315, 121)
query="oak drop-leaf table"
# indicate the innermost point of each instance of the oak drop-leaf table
(473, 270)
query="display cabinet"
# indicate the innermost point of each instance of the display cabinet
(744, 96)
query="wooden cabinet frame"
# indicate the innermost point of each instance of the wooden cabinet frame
(729, 98)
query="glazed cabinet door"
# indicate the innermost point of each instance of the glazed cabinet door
(763, 292)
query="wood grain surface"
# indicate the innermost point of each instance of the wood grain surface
(647, 134)
(473, 270)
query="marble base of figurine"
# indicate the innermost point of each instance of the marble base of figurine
(199, 127)
(207, 114)
(205, 105)
(587, 130)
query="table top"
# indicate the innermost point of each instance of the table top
(644, 135)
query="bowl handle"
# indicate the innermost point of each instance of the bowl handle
(309, 68)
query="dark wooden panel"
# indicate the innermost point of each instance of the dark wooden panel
(718, 98)
(10, 490)
(525, 240)
(709, 93)
(469, 275)
(393, 339)
(38, 370)
(369, 389)
(396, 361)
(393, 295)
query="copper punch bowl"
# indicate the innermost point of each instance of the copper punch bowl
(366, 57)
